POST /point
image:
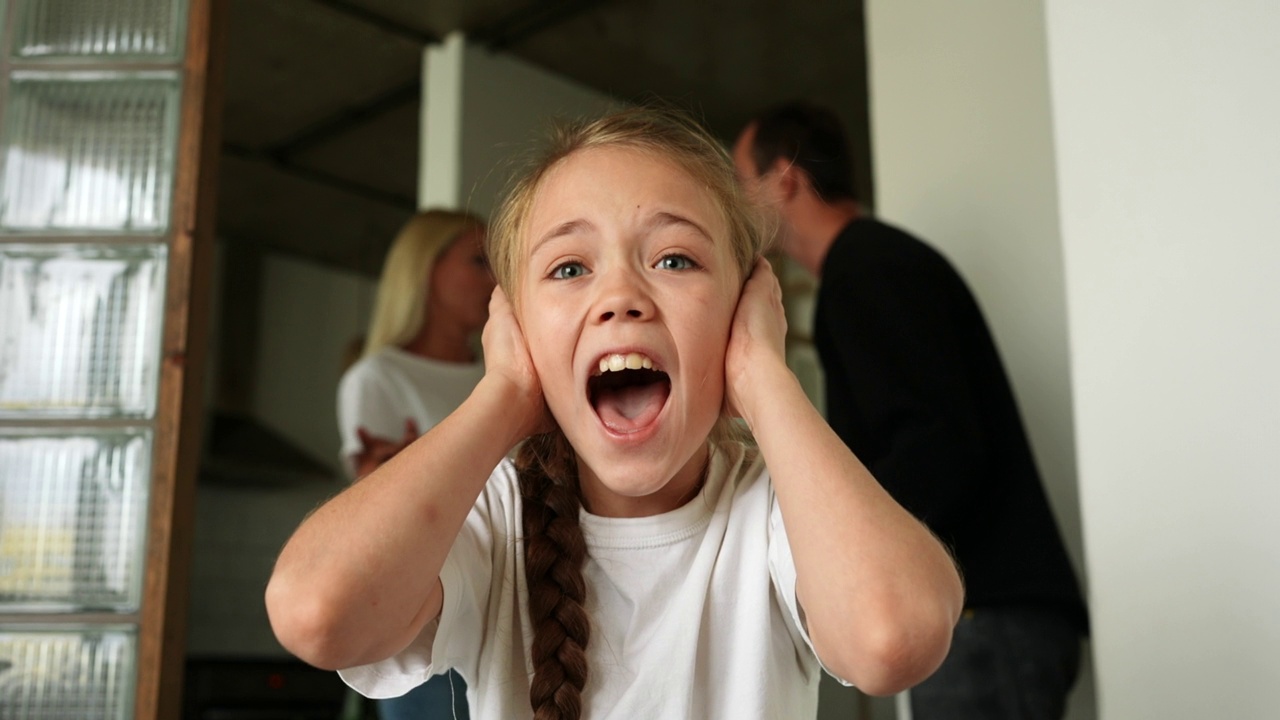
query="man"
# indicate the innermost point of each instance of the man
(917, 390)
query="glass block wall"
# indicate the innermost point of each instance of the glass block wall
(89, 112)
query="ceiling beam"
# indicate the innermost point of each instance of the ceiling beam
(516, 27)
(530, 20)
(351, 187)
(349, 118)
(346, 119)
(382, 22)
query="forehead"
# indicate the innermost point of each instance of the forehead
(607, 185)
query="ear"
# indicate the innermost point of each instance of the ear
(790, 179)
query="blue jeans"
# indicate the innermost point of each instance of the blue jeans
(443, 697)
(1013, 663)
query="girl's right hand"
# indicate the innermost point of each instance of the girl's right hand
(507, 361)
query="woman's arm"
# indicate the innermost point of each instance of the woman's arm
(360, 577)
(879, 592)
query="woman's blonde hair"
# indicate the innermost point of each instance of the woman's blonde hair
(546, 465)
(400, 308)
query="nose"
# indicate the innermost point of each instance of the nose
(623, 294)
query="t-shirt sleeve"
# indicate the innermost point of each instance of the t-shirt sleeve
(452, 641)
(782, 569)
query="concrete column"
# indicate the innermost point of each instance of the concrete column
(480, 111)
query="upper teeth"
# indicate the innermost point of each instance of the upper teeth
(630, 361)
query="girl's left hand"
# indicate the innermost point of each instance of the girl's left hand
(757, 341)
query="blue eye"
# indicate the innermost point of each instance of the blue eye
(676, 262)
(568, 271)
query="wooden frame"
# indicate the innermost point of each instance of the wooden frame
(179, 409)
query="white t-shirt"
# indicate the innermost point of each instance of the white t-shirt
(693, 612)
(383, 390)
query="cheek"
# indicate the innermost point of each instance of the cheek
(479, 292)
(709, 339)
(716, 330)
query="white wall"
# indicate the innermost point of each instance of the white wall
(309, 313)
(1168, 145)
(481, 111)
(961, 132)
(1155, 168)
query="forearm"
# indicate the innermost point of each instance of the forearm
(359, 578)
(880, 594)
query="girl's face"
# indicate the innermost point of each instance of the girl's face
(461, 283)
(626, 299)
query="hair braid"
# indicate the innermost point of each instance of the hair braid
(554, 552)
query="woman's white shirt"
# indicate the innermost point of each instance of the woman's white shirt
(386, 388)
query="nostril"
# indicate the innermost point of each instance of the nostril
(632, 314)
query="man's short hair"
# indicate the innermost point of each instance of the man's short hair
(812, 138)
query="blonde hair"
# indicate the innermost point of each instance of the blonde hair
(400, 308)
(547, 470)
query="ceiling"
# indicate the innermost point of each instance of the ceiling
(320, 123)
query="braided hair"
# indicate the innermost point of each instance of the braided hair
(554, 551)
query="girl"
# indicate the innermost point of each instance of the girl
(418, 366)
(634, 560)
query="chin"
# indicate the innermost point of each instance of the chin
(637, 472)
(633, 479)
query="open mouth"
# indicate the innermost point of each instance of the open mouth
(628, 392)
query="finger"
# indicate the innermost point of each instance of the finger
(411, 428)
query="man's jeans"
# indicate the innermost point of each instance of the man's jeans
(443, 697)
(1013, 662)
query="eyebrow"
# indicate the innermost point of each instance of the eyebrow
(663, 219)
(657, 221)
(564, 228)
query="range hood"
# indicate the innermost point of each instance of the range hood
(239, 448)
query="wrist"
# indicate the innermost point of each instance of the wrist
(769, 383)
(516, 412)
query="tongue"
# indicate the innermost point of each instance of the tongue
(627, 409)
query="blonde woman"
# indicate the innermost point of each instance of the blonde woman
(418, 365)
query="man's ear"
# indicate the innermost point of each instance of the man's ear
(789, 179)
